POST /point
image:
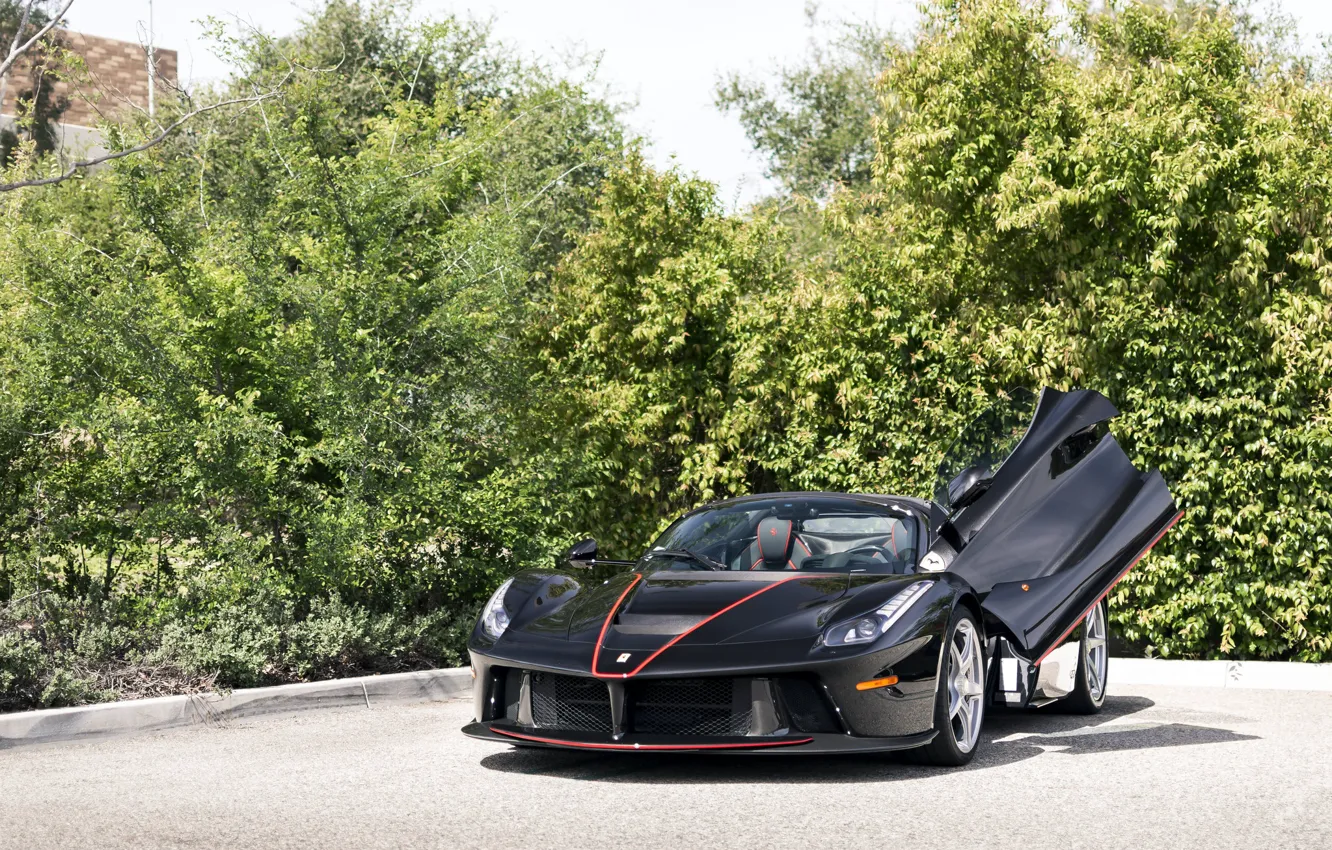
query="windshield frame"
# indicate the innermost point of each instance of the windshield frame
(742, 515)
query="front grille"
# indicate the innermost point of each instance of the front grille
(691, 706)
(573, 703)
(806, 707)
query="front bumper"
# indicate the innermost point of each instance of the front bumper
(817, 709)
(812, 743)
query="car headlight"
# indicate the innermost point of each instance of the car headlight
(494, 618)
(867, 628)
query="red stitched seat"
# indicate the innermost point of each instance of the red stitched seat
(776, 546)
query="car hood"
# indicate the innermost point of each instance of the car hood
(670, 622)
(642, 610)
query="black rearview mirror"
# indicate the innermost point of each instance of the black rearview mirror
(583, 550)
(968, 486)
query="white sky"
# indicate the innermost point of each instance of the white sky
(664, 56)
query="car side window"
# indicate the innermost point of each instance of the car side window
(1076, 447)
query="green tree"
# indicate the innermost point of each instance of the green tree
(813, 123)
(1142, 211)
(262, 380)
(655, 338)
(1134, 201)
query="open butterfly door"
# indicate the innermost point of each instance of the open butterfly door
(1047, 512)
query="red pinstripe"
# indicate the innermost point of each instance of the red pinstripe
(596, 651)
(1131, 565)
(673, 641)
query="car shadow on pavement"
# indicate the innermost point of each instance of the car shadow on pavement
(1008, 737)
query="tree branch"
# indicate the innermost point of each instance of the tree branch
(79, 165)
(16, 52)
(18, 33)
(165, 132)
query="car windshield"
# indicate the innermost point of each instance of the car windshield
(814, 533)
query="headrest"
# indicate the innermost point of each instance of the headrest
(899, 539)
(774, 540)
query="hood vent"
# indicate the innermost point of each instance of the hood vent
(656, 624)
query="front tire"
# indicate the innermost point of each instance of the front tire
(1093, 665)
(959, 701)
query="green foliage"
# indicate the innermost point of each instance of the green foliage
(288, 396)
(814, 123)
(1119, 201)
(654, 341)
(1151, 224)
(272, 362)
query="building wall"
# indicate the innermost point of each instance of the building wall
(118, 72)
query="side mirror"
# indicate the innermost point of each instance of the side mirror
(968, 486)
(583, 550)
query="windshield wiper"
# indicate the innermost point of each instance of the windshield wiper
(685, 553)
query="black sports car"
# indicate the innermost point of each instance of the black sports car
(836, 622)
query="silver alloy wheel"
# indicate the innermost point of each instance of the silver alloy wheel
(966, 685)
(1095, 656)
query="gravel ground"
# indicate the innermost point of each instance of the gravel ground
(1159, 768)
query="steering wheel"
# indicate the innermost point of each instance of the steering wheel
(869, 551)
(840, 560)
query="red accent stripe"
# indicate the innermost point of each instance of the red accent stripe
(686, 633)
(1131, 565)
(592, 746)
(803, 546)
(596, 651)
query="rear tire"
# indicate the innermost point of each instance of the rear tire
(959, 701)
(1093, 665)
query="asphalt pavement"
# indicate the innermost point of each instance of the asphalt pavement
(1159, 768)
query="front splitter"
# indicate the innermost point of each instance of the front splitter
(808, 744)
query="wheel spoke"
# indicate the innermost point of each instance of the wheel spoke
(1095, 657)
(954, 695)
(966, 686)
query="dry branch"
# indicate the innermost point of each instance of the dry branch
(82, 164)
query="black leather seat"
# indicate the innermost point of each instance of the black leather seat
(776, 546)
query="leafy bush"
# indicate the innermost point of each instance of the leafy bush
(287, 397)
(271, 363)
(1130, 201)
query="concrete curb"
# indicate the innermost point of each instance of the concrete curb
(1270, 675)
(87, 722)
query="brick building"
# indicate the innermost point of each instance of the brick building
(118, 83)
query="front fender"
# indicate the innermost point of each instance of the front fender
(911, 650)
